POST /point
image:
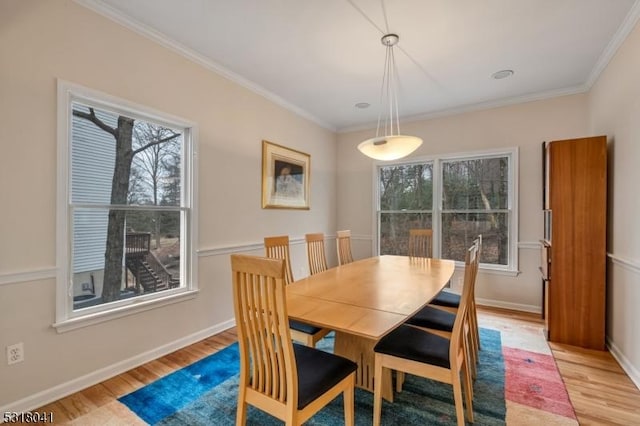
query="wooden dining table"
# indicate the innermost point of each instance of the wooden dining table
(364, 300)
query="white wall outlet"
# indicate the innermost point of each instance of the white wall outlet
(15, 353)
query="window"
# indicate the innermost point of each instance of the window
(125, 207)
(458, 197)
(406, 201)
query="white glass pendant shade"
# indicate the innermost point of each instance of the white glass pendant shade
(388, 148)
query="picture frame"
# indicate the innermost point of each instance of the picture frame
(285, 177)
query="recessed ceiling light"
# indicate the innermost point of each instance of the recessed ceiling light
(363, 105)
(499, 75)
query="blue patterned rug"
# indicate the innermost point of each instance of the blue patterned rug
(205, 393)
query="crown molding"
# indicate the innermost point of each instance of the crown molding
(115, 15)
(614, 44)
(515, 100)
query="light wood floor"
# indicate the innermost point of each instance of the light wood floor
(599, 390)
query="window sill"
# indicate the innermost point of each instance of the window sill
(122, 311)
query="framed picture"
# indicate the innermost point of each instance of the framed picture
(285, 177)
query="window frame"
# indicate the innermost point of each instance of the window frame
(66, 318)
(511, 269)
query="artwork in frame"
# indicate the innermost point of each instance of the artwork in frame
(285, 177)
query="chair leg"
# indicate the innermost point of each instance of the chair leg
(241, 411)
(457, 398)
(349, 402)
(399, 380)
(292, 418)
(472, 354)
(468, 367)
(468, 390)
(377, 391)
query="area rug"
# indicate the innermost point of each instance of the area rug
(205, 393)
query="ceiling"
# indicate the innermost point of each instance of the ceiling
(321, 57)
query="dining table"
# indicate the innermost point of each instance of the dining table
(364, 300)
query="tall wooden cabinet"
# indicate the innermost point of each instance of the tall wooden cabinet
(574, 243)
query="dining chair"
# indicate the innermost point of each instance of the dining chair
(315, 253)
(420, 243)
(449, 301)
(277, 247)
(343, 243)
(439, 320)
(412, 350)
(289, 381)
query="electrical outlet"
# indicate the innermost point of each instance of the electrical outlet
(15, 353)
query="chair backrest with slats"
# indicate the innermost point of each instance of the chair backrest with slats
(315, 253)
(420, 243)
(278, 248)
(461, 325)
(343, 243)
(267, 360)
(478, 244)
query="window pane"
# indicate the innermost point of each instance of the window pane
(460, 229)
(394, 230)
(120, 254)
(151, 176)
(406, 187)
(476, 184)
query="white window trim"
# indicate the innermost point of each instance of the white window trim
(66, 318)
(436, 160)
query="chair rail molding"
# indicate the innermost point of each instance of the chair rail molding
(25, 276)
(628, 264)
(529, 245)
(247, 247)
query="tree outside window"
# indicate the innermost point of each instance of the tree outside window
(126, 202)
(459, 198)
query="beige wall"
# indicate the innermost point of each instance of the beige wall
(41, 41)
(614, 107)
(524, 126)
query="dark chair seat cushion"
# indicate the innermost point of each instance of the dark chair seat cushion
(318, 371)
(417, 345)
(434, 318)
(446, 298)
(303, 327)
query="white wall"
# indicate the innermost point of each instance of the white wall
(614, 108)
(43, 40)
(524, 126)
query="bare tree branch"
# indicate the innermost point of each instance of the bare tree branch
(91, 116)
(150, 144)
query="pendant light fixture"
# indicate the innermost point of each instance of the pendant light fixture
(392, 145)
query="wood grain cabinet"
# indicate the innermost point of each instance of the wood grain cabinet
(574, 244)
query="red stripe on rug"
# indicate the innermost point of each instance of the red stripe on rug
(533, 379)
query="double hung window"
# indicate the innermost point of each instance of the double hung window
(125, 206)
(459, 197)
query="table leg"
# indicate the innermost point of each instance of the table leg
(360, 350)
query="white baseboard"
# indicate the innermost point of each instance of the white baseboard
(60, 391)
(534, 309)
(626, 365)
